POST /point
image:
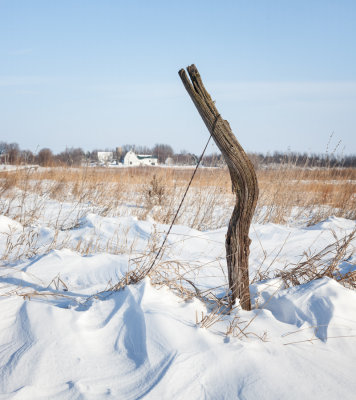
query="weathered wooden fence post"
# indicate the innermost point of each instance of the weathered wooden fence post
(244, 183)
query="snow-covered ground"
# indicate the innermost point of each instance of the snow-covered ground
(63, 335)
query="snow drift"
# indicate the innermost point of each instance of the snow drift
(63, 336)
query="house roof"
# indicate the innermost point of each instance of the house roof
(143, 156)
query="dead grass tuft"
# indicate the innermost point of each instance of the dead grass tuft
(325, 263)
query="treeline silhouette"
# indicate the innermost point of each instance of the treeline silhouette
(289, 158)
(10, 153)
(305, 159)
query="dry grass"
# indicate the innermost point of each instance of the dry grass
(287, 194)
(308, 194)
(324, 263)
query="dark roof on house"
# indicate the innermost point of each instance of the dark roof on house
(143, 156)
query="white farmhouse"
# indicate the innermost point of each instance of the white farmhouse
(139, 159)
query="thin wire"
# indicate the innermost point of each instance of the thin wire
(185, 193)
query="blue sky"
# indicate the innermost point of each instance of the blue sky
(99, 74)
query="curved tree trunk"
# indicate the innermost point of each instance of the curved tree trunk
(244, 184)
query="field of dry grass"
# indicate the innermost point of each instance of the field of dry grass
(287, 194)
(51, 203)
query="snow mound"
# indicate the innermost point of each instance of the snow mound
(322, 307)
(64, 336)
(8, 225)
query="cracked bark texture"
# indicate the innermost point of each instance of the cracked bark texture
(244, 184)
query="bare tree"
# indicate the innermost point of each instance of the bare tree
(45, 157)
(162, 152)
(27, 157)
(72, 156)
(10, 152)
(244, 183)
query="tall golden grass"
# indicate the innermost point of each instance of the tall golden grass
(288, 194)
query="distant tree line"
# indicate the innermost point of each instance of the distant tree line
(304, 159)
(10, 153)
